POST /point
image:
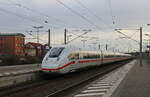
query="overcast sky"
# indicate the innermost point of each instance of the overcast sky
(99, 16)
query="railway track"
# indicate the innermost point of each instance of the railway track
(60, 85)
(82, 83)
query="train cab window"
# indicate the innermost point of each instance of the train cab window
(55, 52)
(73, 56)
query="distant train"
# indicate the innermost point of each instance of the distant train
(65, 59)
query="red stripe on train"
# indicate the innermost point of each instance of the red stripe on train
(87, 61)
(82, 61)
(65, 65)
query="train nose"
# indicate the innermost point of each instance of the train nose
(50, 61)
(49, 67)
(50, 64)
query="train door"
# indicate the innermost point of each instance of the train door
(74, 56)
(102, 57)
(81, 63)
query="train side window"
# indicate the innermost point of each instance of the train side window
(85, 56)
(108, 56)
(73, 56)
(89, 56)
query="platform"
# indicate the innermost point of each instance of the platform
(8, 70)
(136, 83)
(106, 85)
(13, 75)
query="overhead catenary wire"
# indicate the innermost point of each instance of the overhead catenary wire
(18, 15)
(78, 14)
(123, 42)
(29, 9)
(35, 37)
(127, 36)
(130, 29)
(35, 20)
(37, 12)
(63, 23)
(83, 36)
(133, 34)
(111, 12)
(91, 12)
(25, 17)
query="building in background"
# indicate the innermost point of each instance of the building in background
(33, 49)
(12, 44)
(36, 49)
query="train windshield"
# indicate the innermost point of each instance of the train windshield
(55, 52)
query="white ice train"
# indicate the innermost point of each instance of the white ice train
(65, 59)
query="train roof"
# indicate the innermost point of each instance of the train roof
(85, 50)
(65, 46)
